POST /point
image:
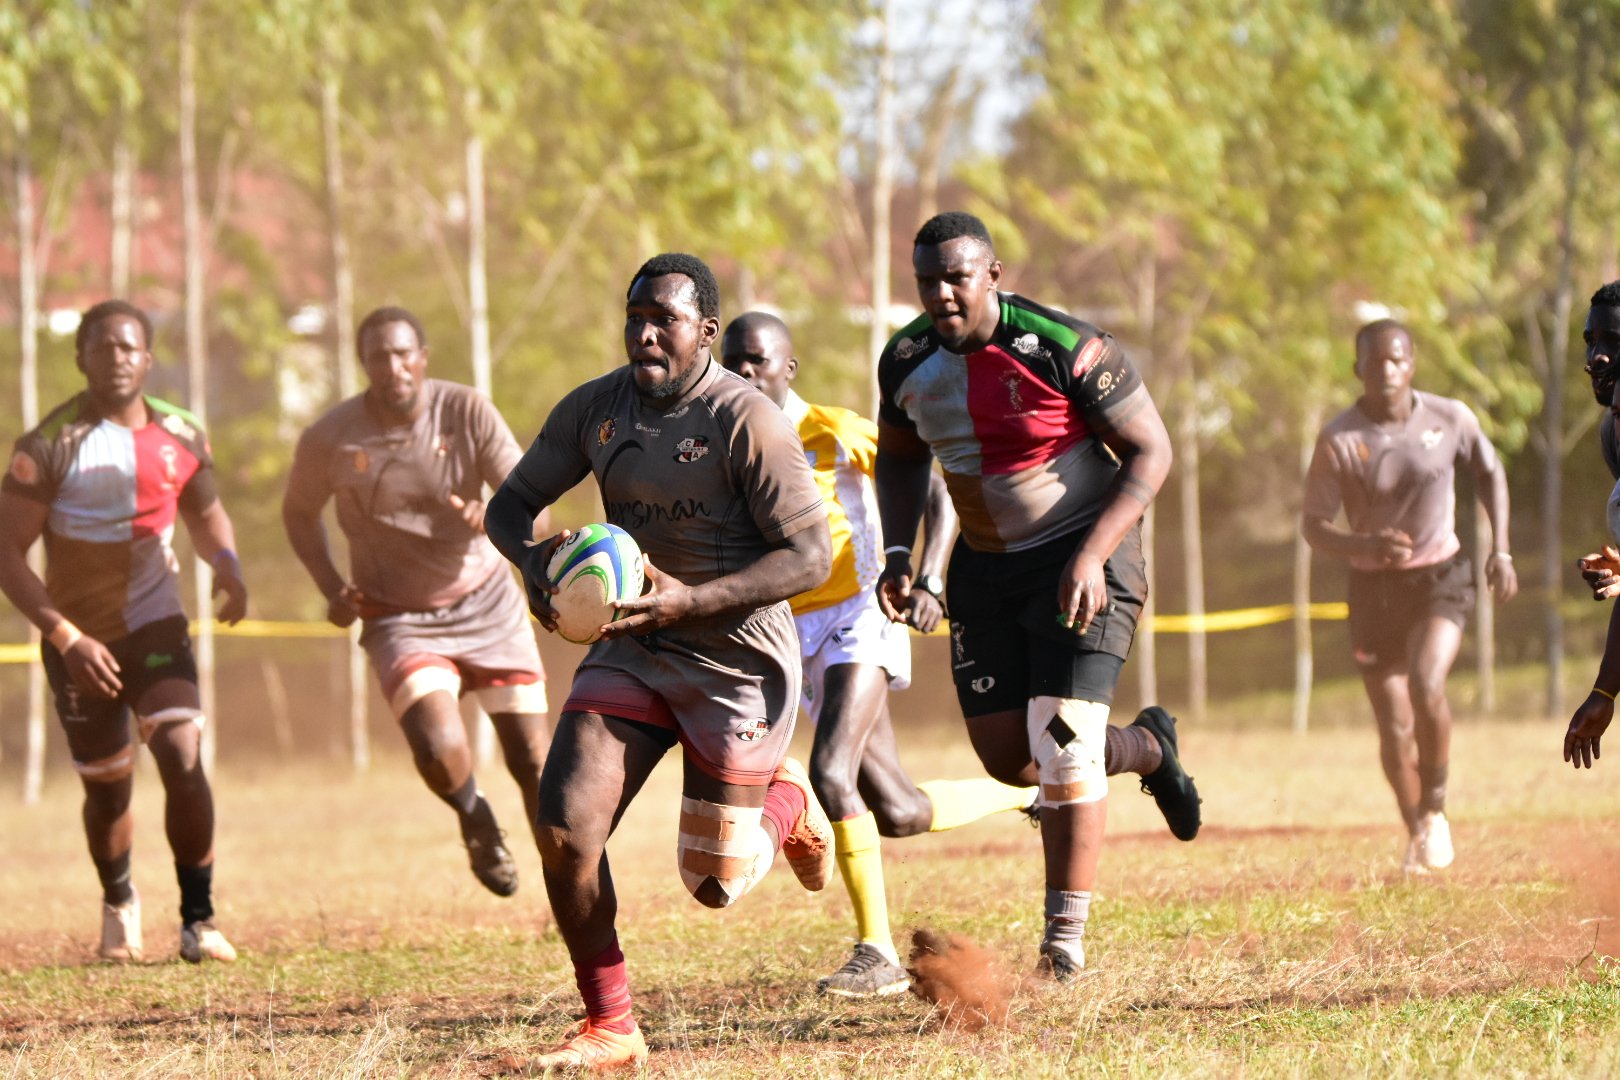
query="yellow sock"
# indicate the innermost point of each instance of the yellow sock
(860, 861)
(958, 802)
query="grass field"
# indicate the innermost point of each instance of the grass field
(1283, 942)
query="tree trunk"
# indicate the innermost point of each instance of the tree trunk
(28, 375)
(478, 321)
(1146, 649)
(1552, 484)
(343, 362)
(1304, 654)
(196, 352)
(882, 198)
(120, 256)
(1192, 553)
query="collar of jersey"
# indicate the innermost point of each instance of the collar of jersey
(795, 407)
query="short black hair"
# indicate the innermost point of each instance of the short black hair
(952, 225)
(382, 317)
(1607, 296)
(1379, 326)
(690, 267)
(105, 310)
(757, 320)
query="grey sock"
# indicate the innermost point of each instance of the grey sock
(1066, 914)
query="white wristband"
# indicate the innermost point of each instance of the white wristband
(64, 636)
(897, 548)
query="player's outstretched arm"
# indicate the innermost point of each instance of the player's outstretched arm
(798, 563)
(1499, 572)
(1138, 438)
(1583, 739)
(509, 522)
(901, 475)
(306, 532)
(89, 662)
(214, 537)
(939, 529)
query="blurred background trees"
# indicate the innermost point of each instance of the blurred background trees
(1230, 187)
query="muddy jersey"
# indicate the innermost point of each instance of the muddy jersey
(706, 485)
(409, 549)
(113, 493)
(1015, 424)
(1399, 475)
(841, 447)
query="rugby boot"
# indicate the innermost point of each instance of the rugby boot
(867, 973)
(1435, 851)
(202, 940)
(1412, 862)
(491, 863)
(809, 847)
(121, 930)
(1060, 964)
(1172, 789)
(591, 1047)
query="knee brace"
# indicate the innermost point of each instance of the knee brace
(110, 769)
(422, 682)
(726, 843)
(180, 714)
(520, 698)
(1067, 738)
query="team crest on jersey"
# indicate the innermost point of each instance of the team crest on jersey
(362, 460)
(1014, 383)
(906, 348)
(24, 469)
(1431, 438)
(605, 430)
(176, 426)
(1030, 345)
(1090, 353)
(1363, 451)
(171, 471)
(689, 450)
(754, 730)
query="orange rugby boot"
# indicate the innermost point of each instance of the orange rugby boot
(809, 847)
(589, 1047)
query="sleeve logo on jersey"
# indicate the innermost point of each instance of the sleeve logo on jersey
(362, 460)
(605, 430)
(689, 450)
(906, 348)
(1090, 353)
(24, 469)
(1030, 345)
(176, 426)
(753, 730)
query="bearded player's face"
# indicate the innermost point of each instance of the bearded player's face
(396, 367)
(666, 337)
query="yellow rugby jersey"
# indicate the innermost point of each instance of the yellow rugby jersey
(841, 446)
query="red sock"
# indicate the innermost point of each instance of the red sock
(784, 804)
(605, 986)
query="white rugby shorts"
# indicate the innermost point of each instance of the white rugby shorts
(854, 631)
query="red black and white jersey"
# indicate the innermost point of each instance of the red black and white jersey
(113, 494)
(1014, 423)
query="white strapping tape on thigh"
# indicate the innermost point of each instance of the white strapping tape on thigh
(1067, 738)
(179, 714)
(524, 699)
(110, 769)
(422, 682)
(727, 843)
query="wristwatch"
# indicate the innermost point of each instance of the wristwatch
(932, 584)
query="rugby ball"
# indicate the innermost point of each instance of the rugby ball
(593, 569)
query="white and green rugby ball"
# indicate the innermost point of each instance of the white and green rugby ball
(595, 568)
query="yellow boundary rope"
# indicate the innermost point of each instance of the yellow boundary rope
(1215, 622)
